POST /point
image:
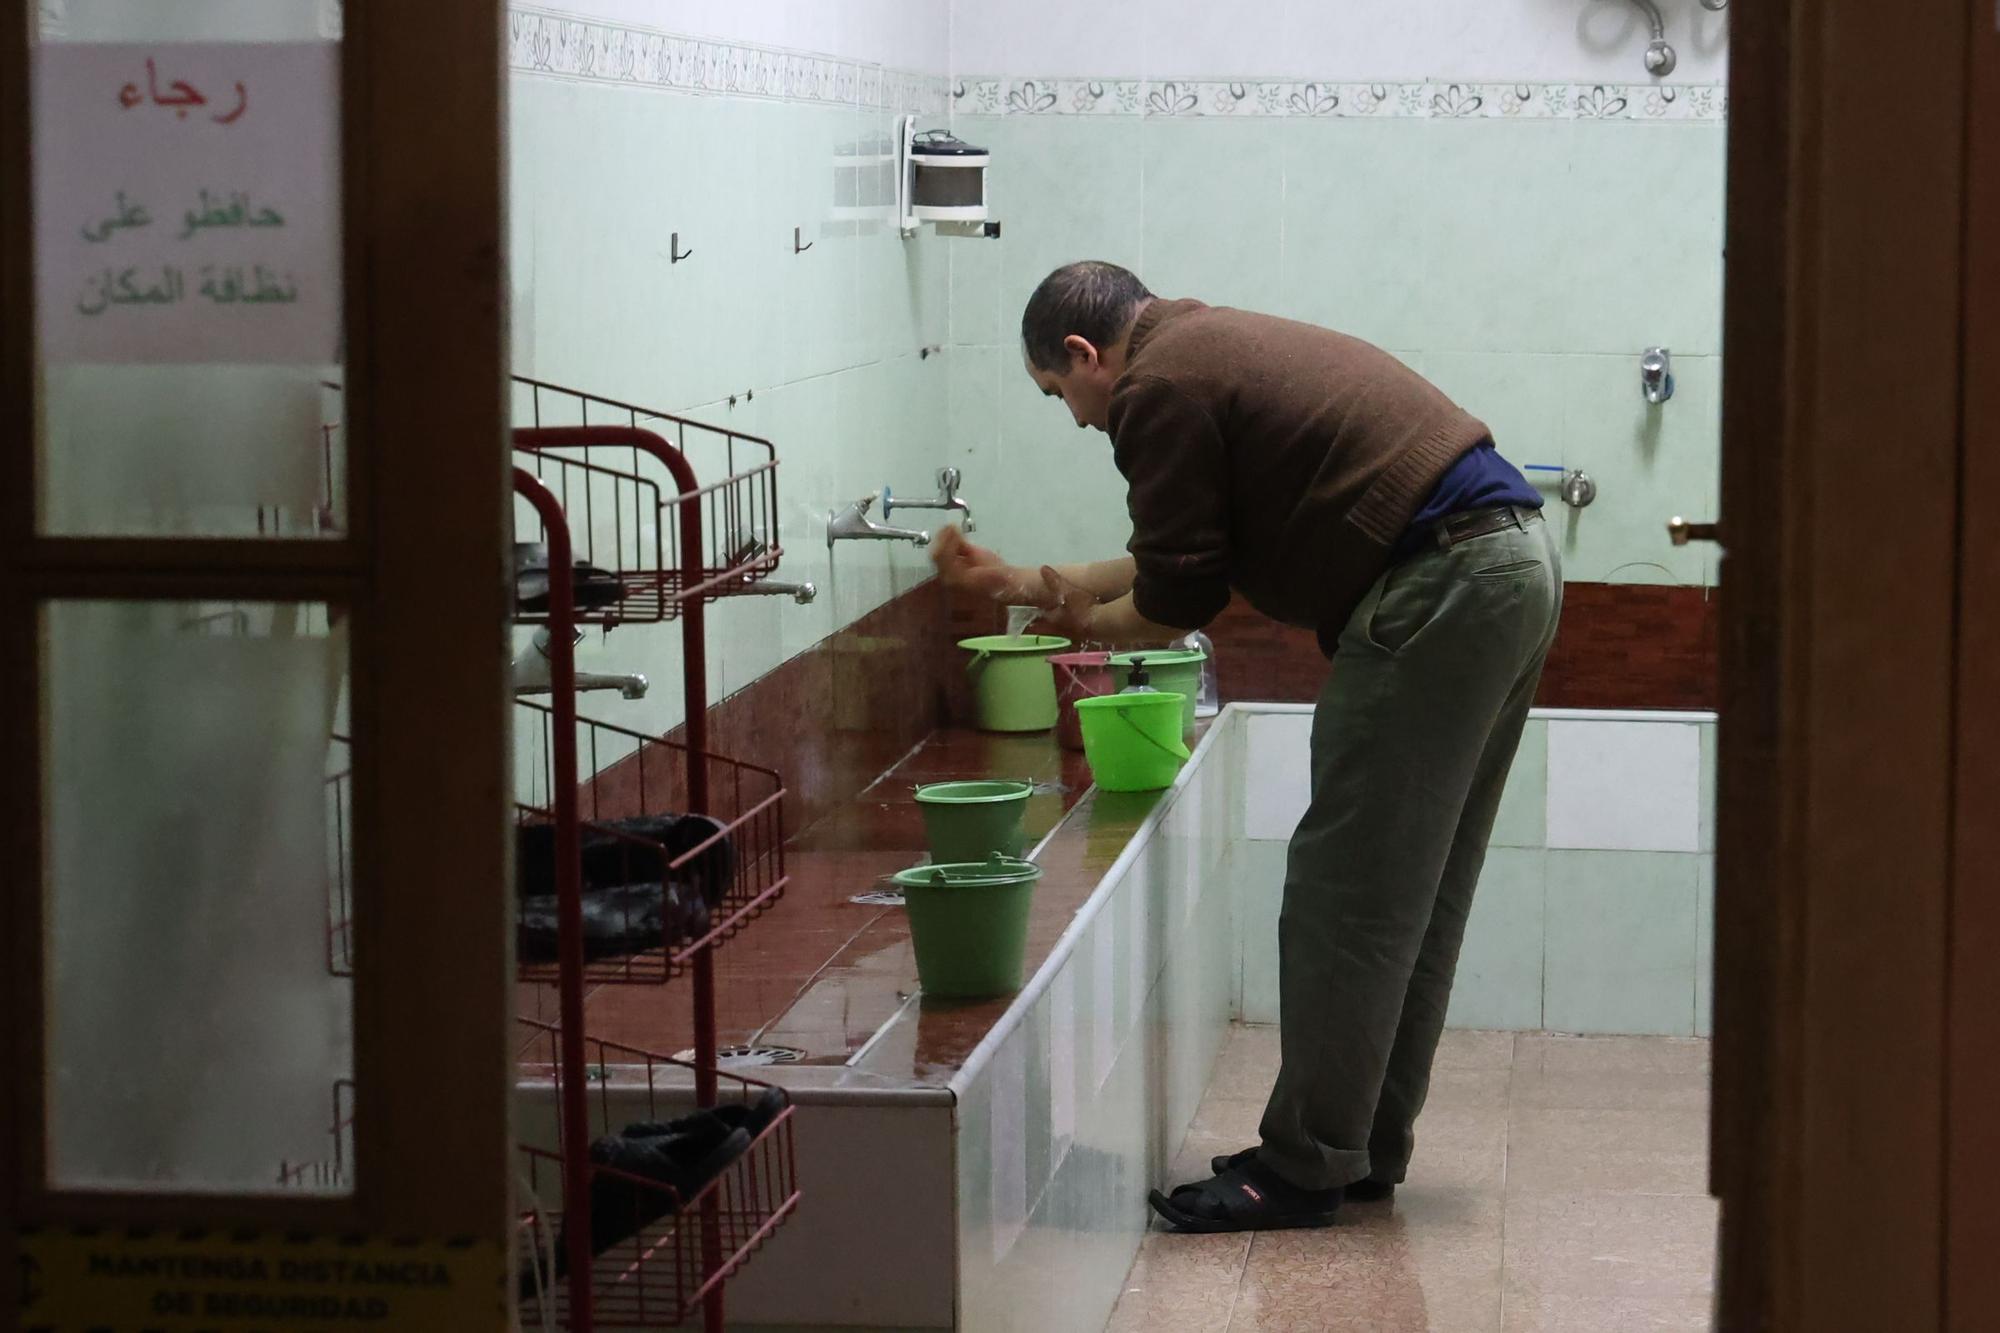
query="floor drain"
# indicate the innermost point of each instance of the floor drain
(878, 898)
(749, 1057)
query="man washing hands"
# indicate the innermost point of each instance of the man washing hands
(1336, 490)
(1083, 603)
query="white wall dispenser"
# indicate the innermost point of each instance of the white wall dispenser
(942, 182)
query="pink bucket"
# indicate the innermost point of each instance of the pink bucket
(1078, 676)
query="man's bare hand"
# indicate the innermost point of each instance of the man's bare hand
(964, 567)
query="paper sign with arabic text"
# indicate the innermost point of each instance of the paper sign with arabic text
(186, 202)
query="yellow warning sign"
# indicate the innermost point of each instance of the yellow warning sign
(167, 1281)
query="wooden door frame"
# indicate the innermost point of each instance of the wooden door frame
(1842, 457)
(1972, 1215)
(424, 571)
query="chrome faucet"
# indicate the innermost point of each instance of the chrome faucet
(531, 672)
(802, 593)
(948, 479)
(1656, 375)
(853, 524)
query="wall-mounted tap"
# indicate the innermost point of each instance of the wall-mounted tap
(853, 524)
(531, 672)
(1656, 375)
(802, 593)
(1576, 488)
(948, 479)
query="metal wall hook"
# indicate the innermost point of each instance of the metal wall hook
(674, 252)
(797, 236)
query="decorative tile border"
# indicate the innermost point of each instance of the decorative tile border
(1198, 97)
(558, 45)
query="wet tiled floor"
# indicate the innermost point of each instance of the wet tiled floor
(1559, 1184)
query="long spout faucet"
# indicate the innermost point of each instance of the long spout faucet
(948, 499)
(853, 524)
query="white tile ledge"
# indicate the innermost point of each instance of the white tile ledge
(1688, 715)
(1024, 1001)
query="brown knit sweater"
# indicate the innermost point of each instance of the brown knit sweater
(1276, 458)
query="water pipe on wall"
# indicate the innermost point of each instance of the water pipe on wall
(1660, 57)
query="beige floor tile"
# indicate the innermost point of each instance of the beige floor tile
(1469, 1048)
(1228, 1118)
(1192, 1161)
(1559, 1183)
(1608, 1152)
(1581, 1090)
(1379, 1273)
(1182, 1283)
(1556, 1053)
(1247, 1066)
(1610, 1073)
(1455, 1089)
(1609, 1261)
(1474, 1158)
(1428, 1210)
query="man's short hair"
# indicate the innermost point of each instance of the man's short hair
(1091, 299)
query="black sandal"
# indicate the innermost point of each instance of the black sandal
(1246, 1197)
(1361, 1191)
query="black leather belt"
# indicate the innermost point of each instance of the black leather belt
(1453, 529)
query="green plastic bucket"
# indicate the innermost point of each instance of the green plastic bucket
(970, 925)
(1013, 685)
(1168, 670)
(970, 821)
(1133, 741)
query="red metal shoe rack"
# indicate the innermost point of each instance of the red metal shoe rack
(614, 487)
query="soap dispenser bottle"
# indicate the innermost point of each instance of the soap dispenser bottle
(1140, 681)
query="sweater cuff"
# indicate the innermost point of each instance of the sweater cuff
(1179, 603)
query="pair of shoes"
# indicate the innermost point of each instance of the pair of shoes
(1248, 1196)
(653, 1168)
(1361, 1191)
(594, 587)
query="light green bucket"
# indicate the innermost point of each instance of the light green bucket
(1013, 685)
(970, 821)
(969, 924)
(1170, 671)
(1133, 741)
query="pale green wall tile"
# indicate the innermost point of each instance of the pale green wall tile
(1064, 188)
(973, 439)
(1499, 221)
(1650, 462)
(1704, 946)
(1620, 950)
(1644, 208)
(1354, 200)
(1499, 981)
(1522, 820)
(1518, 395)
(1061, 497)
(1213, 211)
